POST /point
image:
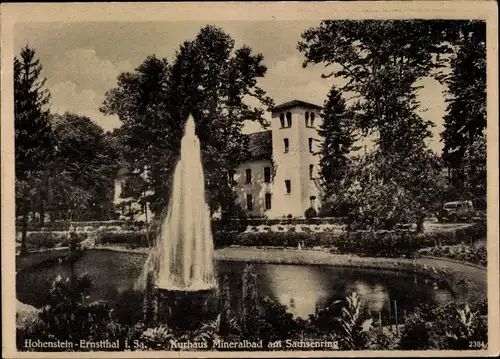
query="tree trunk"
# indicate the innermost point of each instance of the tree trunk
(24, 229)
(420, 224)
(42, 213)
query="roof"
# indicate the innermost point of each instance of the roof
(260, 145)
(295, 103)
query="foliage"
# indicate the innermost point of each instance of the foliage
(71, 316)
(465, 121)
(82, 174)
(37, 240)
(225, 306)
(381, 66)
(354, 327)
(33, 136)
(450, 327)
(389, 189)
(398, 243)
(250, 311)
(337, 129)
(209, 79)
(310, 213)
(461, 252)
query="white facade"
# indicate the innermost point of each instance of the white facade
(295, 184)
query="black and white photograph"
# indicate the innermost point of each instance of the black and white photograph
(247, 182)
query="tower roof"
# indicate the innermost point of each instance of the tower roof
(295, 103)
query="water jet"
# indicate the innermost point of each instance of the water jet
(181, 260)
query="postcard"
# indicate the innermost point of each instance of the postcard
(240, 179)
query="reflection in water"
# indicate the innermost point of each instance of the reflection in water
(304, 289)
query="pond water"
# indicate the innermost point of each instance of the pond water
(304, 289)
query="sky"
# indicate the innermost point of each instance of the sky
(81, 62)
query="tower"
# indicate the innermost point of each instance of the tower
(295, 142)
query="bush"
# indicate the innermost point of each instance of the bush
(460, 252)
(310, 213)
(38, 240)
(276, 239)
(136, 239)
(396, 243)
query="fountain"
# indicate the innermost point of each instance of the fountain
(181, 261)
(182, 258)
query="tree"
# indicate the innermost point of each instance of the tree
(338, 132)
(84, 169)
(381, 62)
(33, 135)
(465, 120)
(208, 79)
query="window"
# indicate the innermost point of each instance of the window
(310, 144)
(268, 200)
(286, 144)
(288, 185)
(282, 120)
(312, 119)
(289, 119)
(249, 202)
(307, 118)
(248, 175)
(312, 201)
(311, 169)
(267, 174)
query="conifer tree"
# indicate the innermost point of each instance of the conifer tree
(34, 142)
(339, 138)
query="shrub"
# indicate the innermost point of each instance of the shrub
(276, 239)
(310, 213)
(396, 243)
(129, 238)
(461, 252)
(38, 240)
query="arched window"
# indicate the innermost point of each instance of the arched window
(286, 144)
(312, 201)
(282, 120)
(310, 145)
(307, 118)
(289, 119)
(311, 169)
(312, 119)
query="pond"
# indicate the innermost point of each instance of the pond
(304, 289)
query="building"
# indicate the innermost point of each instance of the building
(280, 177)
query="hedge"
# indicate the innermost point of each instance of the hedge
(460, 252)
(368, 243)
(399, 243)
(37, 240)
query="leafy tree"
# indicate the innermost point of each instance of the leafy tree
(465, 120)
(33, 135)
(338, 133)
(208, 79)
(381, 62)
(84, 169)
